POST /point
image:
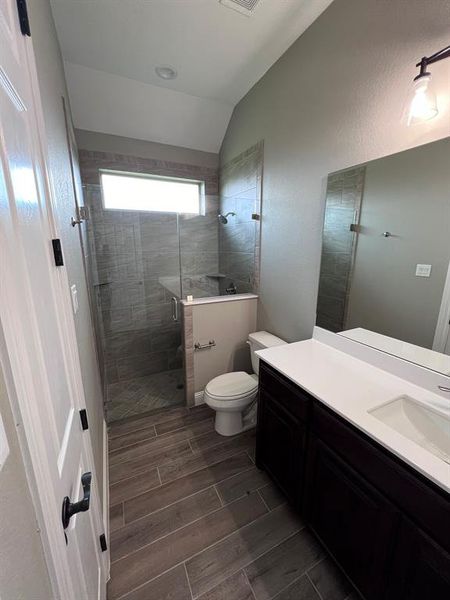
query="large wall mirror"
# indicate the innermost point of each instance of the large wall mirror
(385, 277)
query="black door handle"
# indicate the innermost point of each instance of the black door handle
(72, 508)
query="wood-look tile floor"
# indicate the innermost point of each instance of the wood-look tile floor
(192, 517)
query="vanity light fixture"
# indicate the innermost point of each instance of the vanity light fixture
(422, 105)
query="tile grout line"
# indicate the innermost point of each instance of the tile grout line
(303, 574)
(187, 524)
(150, 437)
(145, 440)
(163, 449)
(120, 462)
(185, 425)
(313, 586)
(198, 454)
(219, 496)
(248, 581)
(156, 412)
(159, 476)
(250, 457)
(188, 496)
(136, 445)
(254, 559)
(188, 581)
(193, 556)
(258, 491)
(111, 485)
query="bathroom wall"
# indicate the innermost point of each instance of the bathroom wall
(239, 239)
(228, 323)
(409, 195)
(103, 142)
(137, 263)
(333, 100)
(23, 572)
(52, 86)
(343, 202)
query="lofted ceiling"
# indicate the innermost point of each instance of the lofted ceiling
(111, 49)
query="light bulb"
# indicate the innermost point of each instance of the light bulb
(423, 104)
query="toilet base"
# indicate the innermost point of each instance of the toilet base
(232, 423)
(228, 423)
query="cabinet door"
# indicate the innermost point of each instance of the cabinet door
(421, 568)
(280, 446)
(352, 519)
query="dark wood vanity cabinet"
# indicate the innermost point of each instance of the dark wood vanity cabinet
(421, 567)
(385, 525)
(350, 517)
(281, 447)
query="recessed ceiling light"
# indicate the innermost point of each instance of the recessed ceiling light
(166, 72)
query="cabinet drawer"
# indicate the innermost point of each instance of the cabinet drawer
(293, 398)
(419, 499)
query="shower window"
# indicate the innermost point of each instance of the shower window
(151, 193)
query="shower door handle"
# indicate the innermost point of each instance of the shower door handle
(174, 308)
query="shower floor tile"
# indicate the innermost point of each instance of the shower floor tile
(142, 394)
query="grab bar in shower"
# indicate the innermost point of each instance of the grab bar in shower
(210, 344)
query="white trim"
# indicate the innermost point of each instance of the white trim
(22, 393)
(214, 299)
(442, 327)
(106, 497)
(199, 398)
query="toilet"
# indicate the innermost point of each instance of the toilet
(233, 395)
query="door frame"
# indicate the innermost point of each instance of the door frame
(442, 328)
(25, 406)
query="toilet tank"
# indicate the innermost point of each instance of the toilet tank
(260, 340)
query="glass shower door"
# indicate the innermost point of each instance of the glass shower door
(199, 251)
(137, 273)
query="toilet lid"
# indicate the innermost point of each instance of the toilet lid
(232, 385)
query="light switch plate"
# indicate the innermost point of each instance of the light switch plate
(423, 270)
(74, 293)
(4, 448)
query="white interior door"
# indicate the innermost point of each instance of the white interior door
(37, 326)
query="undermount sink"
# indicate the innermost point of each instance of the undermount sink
(420, 424)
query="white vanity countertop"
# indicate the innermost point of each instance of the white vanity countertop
(352, 387)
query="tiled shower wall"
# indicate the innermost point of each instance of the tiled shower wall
(343, 203)
(133, 254)
(239, 239)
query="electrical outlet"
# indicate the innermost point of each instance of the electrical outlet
(423, 270)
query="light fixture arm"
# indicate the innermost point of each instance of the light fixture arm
(429, 60)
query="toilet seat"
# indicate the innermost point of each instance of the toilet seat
(232, 386)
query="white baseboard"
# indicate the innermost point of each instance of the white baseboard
(198, 398)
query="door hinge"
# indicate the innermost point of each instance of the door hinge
(57, 252)
(103, 544)
(23, 17)
(84, 419)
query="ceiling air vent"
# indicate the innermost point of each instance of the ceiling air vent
(245, 7)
